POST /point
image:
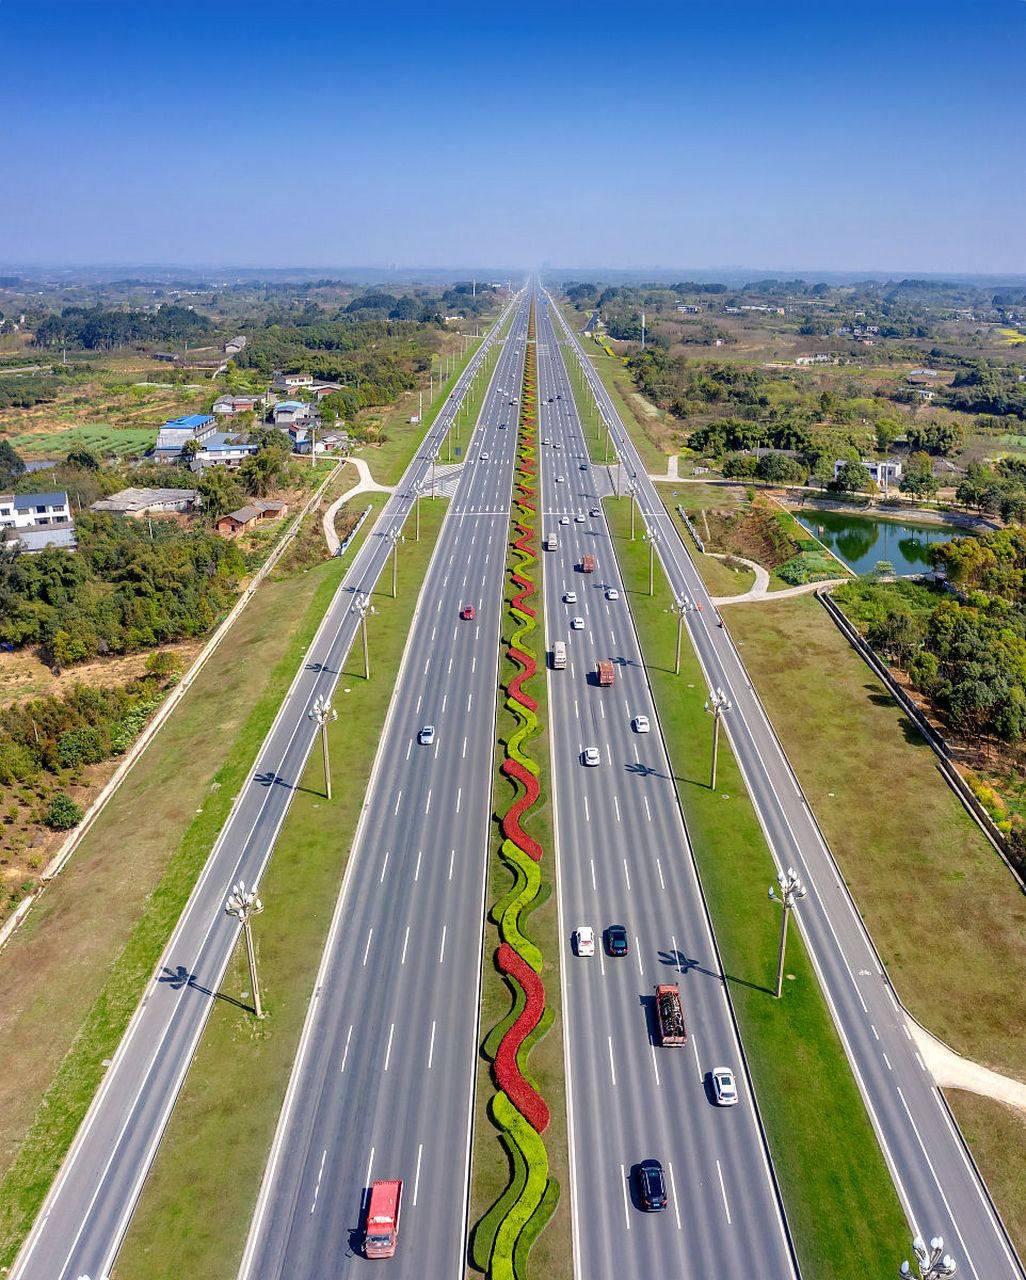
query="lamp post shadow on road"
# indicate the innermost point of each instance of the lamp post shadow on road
(791, 893)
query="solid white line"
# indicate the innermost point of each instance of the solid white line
(388, 1051)
(441, 953)
(406, 942)
(345, 1055)
(723, 1192)
(367, 947)
(431, 1047)
(416, 1180)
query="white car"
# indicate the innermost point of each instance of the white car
(560, 479)
(564, 519)
(641, 724)
(426, 735)
(546, 440)
(484, 457)
(556, 444)
(590, 756)
(576, 624)
(570, 597)
(579, 518)
(584, 940)
(594, 512)
(724, 1086)
(612, 594)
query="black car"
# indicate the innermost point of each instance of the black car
(651, 1185)
(616, 940)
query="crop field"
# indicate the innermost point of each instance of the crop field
(98, 437)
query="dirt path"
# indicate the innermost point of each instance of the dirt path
(951, 1071)
(366, 484)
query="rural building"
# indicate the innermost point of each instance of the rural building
(883, 473)
(290, 381)
(687, 309)
(286, 412)
(222, 448)
(37, 520)
(137, 503)
(173, 435)
(234, 345)
(819, 358)
(322, 389)
(227, 406)
(243, 520)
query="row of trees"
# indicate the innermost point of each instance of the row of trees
(108, 328)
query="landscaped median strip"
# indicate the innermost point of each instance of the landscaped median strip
(504, 1235)
(841, 1205)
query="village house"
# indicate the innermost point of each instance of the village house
(37, 520)
(136, 503)
(243, 520)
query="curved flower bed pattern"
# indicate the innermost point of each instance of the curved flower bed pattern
(505, 1234)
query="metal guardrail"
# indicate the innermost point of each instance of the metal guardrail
(343, 547)
(691, 528)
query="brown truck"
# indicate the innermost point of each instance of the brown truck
(587, 564)
(606, 673)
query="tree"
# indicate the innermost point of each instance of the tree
(84, 458)
(851, 478)
(63, 813)
(220, 491)
(778, 468)
(739, 466)
(935, 437)
(887, 431)
(917, 477)
(11, 465)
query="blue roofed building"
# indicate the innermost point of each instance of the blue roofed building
(176, 432)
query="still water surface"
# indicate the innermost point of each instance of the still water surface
(861, 541)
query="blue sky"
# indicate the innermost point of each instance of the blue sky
(703, 133)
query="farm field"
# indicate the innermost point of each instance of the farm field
(103, 439)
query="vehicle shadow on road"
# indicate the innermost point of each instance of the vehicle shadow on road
(180, 978)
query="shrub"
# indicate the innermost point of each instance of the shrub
(63, 813)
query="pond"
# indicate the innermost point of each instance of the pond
(862, 541)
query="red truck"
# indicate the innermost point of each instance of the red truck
(587, 564)
(670, 1012)
(606, 674)
(383, 1219)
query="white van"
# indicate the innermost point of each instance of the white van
(558, 655)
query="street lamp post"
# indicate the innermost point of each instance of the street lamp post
(362, 606)
(931, 1260)
(632, 490)
(418, 489)
(681, 608)
(717, 704)
(243, 904)
(791, 892)
(652, 537)
(323, 713)
(436, 458)
(395, 537)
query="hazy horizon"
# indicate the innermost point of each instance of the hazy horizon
(243, 135)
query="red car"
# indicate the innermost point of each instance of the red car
(467, 613)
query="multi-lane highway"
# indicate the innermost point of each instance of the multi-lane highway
(624, 858)
(936, 1180)
(86, 1213)
(383, 1083)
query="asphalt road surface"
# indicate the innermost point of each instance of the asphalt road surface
(937, 1182)
(624, 858)
(383, 1084)
(84, 1218)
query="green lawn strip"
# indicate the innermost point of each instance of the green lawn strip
(847, 738)
(996, 1133)
(806, 1091)
(85, 953)
(192, 1220)
(617, 380)
(388, 461)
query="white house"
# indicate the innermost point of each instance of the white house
(290, 381)
(883, 473)
(37, 520)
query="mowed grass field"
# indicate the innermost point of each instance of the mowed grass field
(101, 439)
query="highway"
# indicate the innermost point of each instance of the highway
(937, 1182)
(624, 857)
(86, 1213)
(383, 1084)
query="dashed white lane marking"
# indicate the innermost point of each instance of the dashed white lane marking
(616, 806)
(464, 755)
(459, 798)
(648, 811)
(388, 1050)
(366, 949)
(587, 815)
(627, 875)
(370, 1165)
(723, 1192)
(888, 1061)
(427, 807)
(431, 1047)
(416, 1180)
(626, 1204)
(612, 1062)
(398, 800)
(659, 868)
(409, 748)
(452, 859)
(416, 872)
(381, 878)
(406, 943)
(637, 952)
(345, 1053)
(655, 1064)
(320, 1172)
(594, 886)
(441, 951)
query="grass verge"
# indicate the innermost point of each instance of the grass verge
(192, 1220)
(996, 1133)
(807, 1094)
(828, 707)
(73, 973)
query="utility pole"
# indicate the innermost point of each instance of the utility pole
(643, 331)
(323, 713)
(717, 704)
(243, 904)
